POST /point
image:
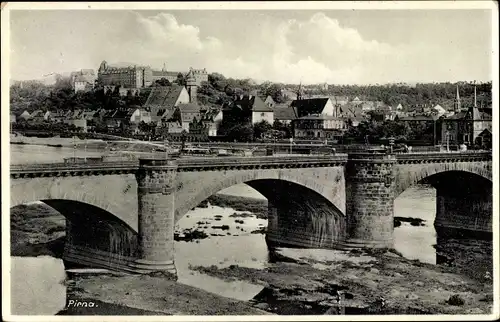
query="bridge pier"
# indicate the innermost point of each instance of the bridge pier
(370, 182)
(156, 197)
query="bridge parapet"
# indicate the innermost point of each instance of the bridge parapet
(191, 164)
(438, 157)
(64, 169)
(263, 162)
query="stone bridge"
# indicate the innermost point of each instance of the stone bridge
(122, 215)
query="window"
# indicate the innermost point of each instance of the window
(262, 114)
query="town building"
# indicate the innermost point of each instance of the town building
(312, 106)
(268, 100)
(83, 80)
(468, 127)
(132, 76)
(25, 115)
(472, 127)
(247, 109)
(162, 101)
(185, 114)
(284, 113)
(288, 94)
(340, 100)
(76, 118)
(320, 126)
(200, 75)
(161, 74)
(39, 116)
(439, 110)
(125, 117)
(157, 75)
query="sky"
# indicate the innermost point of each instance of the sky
(289, 46)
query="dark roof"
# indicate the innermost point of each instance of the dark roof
(162, 73)
(321, 117)
(161, 101)
(209, 115)
(458, 116)
(419, 118)
(121, 114)
(309, 106)
(37, 113)
(253, 103)
(189, 108)
(285, 113)
(483, 114)
(164, 96)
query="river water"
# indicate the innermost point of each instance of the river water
(37, 282)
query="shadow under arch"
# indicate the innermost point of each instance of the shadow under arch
(463, 202)
(406, 179)
(298, 216)
(94, 236)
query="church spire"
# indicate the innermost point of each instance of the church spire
(299, 92)
(458, 106)
(475, 95)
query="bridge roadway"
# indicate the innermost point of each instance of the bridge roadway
(121, 215)
(206, 163)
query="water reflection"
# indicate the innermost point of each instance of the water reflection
(37, 281)
(27, 154)
(416, 242)
(37, 285)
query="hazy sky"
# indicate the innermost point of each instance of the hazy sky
(334, 46)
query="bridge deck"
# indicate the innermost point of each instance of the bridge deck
(250, 161)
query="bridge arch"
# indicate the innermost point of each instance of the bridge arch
(94, 237)
(302, 211)
(408, 175)
(115, 194)
(332, 191)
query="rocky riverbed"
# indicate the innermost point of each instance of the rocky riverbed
(295, 281)
(310, 279)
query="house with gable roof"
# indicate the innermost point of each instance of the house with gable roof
(163, 100)
(247, 109)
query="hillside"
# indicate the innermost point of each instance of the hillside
(219, 89)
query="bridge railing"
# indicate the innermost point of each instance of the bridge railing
(443, 155)
(285, 159)
(183, 162)
(75, 166)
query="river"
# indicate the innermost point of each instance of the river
(38, 282)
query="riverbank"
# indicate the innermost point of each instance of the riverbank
(130, 294)
(311, 278)
(294, 281)
(88, 145)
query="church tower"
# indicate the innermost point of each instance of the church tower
(192, 87)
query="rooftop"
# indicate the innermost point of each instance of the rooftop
(309, 106)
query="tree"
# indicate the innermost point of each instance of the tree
(240, 133)
(273, 90)
(181, 79)
(164, 82)
(282, 127)
(259, 129)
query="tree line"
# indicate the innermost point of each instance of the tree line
(219, 90)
